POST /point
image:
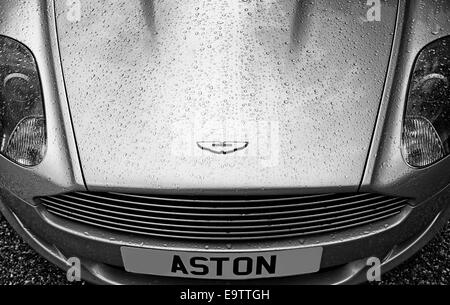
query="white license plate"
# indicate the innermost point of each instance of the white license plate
(222, 265)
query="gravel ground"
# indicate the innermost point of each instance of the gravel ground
(20, 265)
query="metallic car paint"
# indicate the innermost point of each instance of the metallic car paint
(314, 71)
(60, 170)
(386, 170)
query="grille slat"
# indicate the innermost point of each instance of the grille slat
(249, 238)
(235, 199)
(227, 205)
(220, 212)
(194, 228)
(101, 212)
(228, 218)
(223, 235)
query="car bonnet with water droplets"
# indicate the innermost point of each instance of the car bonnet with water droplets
(285, 94)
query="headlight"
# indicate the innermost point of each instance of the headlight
(426, 128)
(23, 137)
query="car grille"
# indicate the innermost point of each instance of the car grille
(224, 218)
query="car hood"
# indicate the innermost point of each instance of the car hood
(224, 95)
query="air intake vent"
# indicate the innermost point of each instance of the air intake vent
(224, 218)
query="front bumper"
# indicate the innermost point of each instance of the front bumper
(344, 257)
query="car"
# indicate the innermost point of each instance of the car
(273, 142)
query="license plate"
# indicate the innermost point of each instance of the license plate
(222, 265)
